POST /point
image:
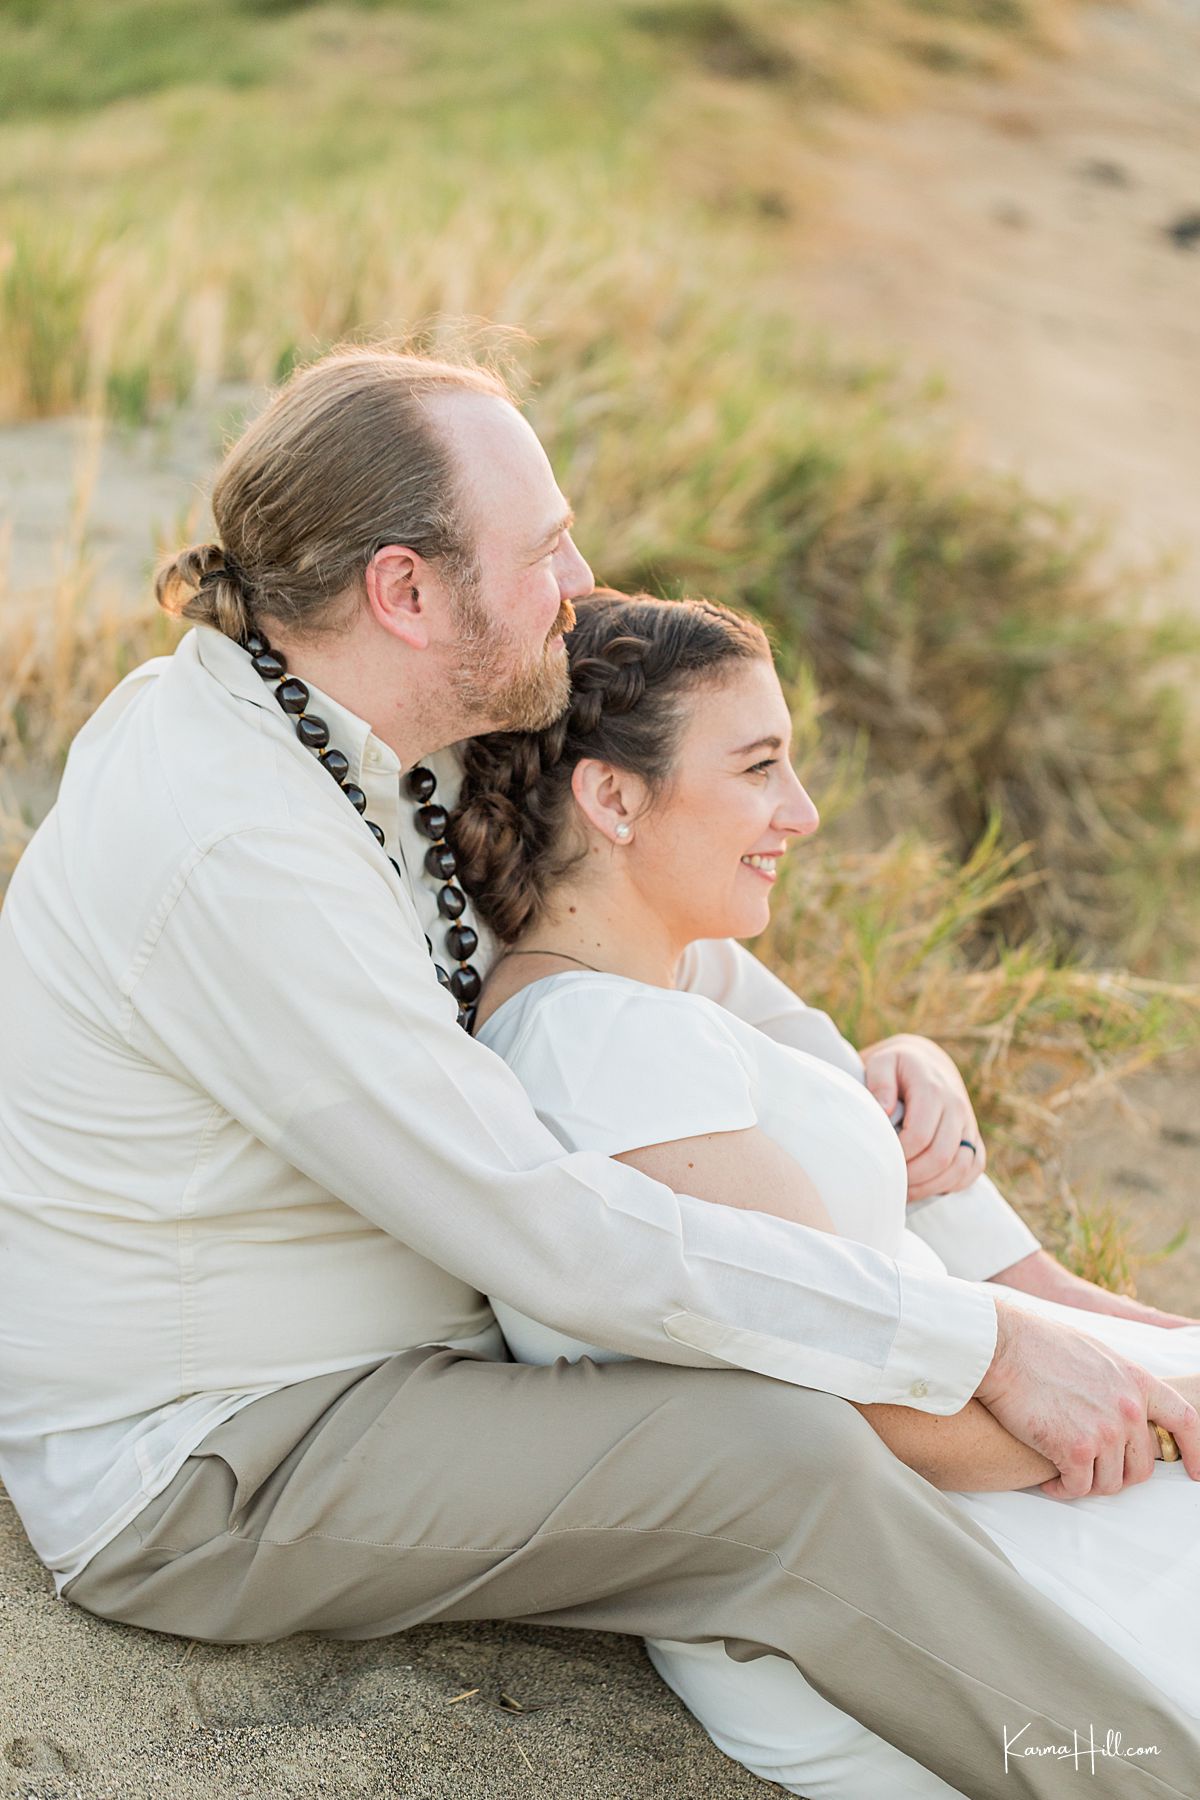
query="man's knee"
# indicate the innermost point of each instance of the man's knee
(765, 1443)
(809, 1429)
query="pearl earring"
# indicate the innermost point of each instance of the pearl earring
(622, 832)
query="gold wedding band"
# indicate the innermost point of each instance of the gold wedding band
(1170, 1449)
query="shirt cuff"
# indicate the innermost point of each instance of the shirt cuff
(943, 1346)
(975, 1232)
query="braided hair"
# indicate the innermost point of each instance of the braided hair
(207, 584)
(633, 661)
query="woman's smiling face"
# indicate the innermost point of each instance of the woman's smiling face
(704, 852)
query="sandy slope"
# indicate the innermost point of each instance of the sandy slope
(1016, 236)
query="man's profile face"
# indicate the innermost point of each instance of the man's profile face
(511, 664)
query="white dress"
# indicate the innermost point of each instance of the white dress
(613, 1065)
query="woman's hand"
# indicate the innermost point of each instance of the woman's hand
(937, 1112)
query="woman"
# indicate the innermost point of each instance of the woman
(652, 815)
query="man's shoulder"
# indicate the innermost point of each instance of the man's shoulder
(177, 757)
(169, 766)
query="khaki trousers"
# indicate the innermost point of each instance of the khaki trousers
(680, 1503)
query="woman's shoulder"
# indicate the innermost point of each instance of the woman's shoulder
(581, 1029)
(612, 1064)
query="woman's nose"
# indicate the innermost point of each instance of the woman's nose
(797, 815)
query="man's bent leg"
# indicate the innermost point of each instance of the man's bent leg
(680, 1503)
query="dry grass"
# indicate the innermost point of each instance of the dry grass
(65, 647)
(190, 193)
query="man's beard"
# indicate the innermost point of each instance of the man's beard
(528, 699)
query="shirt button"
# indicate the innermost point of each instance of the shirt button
(918, 1388)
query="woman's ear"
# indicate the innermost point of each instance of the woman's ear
(609, 798)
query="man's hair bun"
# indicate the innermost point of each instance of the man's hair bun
(207, 585)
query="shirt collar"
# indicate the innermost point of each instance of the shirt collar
(231, 666)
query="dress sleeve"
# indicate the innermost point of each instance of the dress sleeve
(613, 1066)
(725, 971)
(976, 1232)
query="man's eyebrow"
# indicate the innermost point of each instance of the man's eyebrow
(763, 743)
(564, 524)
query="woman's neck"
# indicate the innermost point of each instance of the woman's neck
(611, 932)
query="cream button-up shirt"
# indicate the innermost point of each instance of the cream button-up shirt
(243, 1140)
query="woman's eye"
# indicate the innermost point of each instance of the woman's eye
(760, 768)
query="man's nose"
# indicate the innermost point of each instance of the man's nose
(797, 815)
(575, 578)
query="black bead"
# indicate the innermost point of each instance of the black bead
(440, 862)
(465, 985)
(312, 731)
(337, 763)
(433, 820)
(292, 695)
(462, 942)
(378, 831)
(421, 783)
(442, 975)
(466, 1018)
(451, 903)
(270, 665)
(256, 643)
(355, 796)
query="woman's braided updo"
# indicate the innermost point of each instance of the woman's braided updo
(633, 661)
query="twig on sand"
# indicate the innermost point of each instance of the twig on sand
(520, 1746)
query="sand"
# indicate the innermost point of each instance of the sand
(91, 1710)
(1015, 239)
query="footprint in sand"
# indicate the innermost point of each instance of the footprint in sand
(39, 1756)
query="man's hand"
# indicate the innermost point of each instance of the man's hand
(937, 1112)
(1082, 1405)
(1040, 1273)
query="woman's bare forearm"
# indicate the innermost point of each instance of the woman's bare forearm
(967, 1452)
(970, 1452)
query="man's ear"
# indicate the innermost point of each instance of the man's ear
(394, 578)
(609, 798)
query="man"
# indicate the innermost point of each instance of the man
(254, 1178)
